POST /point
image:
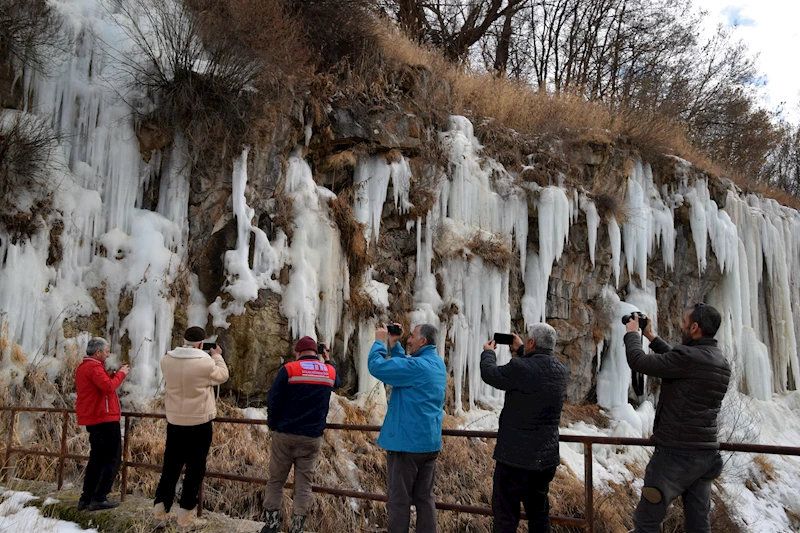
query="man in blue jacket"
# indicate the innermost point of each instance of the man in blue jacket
(297, 409)
(412, 430)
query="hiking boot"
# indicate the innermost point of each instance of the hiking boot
(185, 517)
(298, 524)
(82, 505)
(102, 506)
(273, 522)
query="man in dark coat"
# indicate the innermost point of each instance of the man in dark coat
(526, 454)
(695, 376)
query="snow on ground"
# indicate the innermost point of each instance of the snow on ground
(16, 518)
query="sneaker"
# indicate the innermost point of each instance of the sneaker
(273, 522)
(82, 505)
(102, 506)
(185, 517)
(298, 524)
(159, 511)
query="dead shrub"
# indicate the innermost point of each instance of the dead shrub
(30, 36)
(26, 157)
(208, 66)
(494, 249)
(609, 204)
(337, 30)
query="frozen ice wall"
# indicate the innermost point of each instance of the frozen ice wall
(479, 220)
(97, 179)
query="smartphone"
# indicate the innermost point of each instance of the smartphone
(504, 338)
(209, 346)
(320, 349)
(394, 329)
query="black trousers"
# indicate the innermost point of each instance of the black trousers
(410, 481)
(105, 444)
(513, 486)
(186, 445)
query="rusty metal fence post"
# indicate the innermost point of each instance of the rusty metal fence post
(588, 469)
(62, 454)
(7, 459)
(124, 486)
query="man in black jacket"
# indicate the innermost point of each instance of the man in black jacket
(526, 453)
(695, 376)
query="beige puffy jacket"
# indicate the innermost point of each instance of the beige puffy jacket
(190, 375)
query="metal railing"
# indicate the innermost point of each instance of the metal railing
(588, 441)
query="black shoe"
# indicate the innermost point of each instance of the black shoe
(82, 505)
(102, 506)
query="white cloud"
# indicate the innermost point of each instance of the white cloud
(771, 29)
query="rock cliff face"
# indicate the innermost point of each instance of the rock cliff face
(356, 209)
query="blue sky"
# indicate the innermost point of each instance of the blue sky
(771, 29)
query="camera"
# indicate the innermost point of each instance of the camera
(320, 349)
(394, 329)
(643, 320)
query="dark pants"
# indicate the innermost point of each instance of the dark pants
(410, 481)
(186, 445)
(685, 473)
(513, 486)
(104, 456)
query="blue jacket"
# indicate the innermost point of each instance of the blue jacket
(298, 403)
(414, 416)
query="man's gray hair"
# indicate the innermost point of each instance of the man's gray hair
(429, 333)
(544, 335)
(95, 344)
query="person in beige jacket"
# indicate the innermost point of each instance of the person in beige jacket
(190, 375)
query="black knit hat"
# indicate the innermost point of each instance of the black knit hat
(194, 334)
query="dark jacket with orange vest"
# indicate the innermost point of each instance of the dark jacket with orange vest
(298, 400)
(97, 400)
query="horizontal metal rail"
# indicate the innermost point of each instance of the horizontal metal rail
(588, 441)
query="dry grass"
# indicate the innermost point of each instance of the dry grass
(514, 118)
(493, 249)
(767, 470)
(584, 412)
(354, 243)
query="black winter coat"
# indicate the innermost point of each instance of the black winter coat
(694, 379)
(535, 385)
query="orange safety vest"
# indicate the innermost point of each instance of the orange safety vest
(310, 372)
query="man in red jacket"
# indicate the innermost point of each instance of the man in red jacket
(98, 409)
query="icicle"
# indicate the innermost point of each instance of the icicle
(313, 298)
(553, 208)
(592, 224)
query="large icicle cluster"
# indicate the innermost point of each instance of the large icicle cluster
(480, 215)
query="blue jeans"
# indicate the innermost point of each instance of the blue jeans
(676, 472)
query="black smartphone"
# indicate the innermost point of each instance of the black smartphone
(504, 338)
(209, 346)
(394, 329)
(320, 349)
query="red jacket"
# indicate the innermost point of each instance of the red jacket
(97, 393)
